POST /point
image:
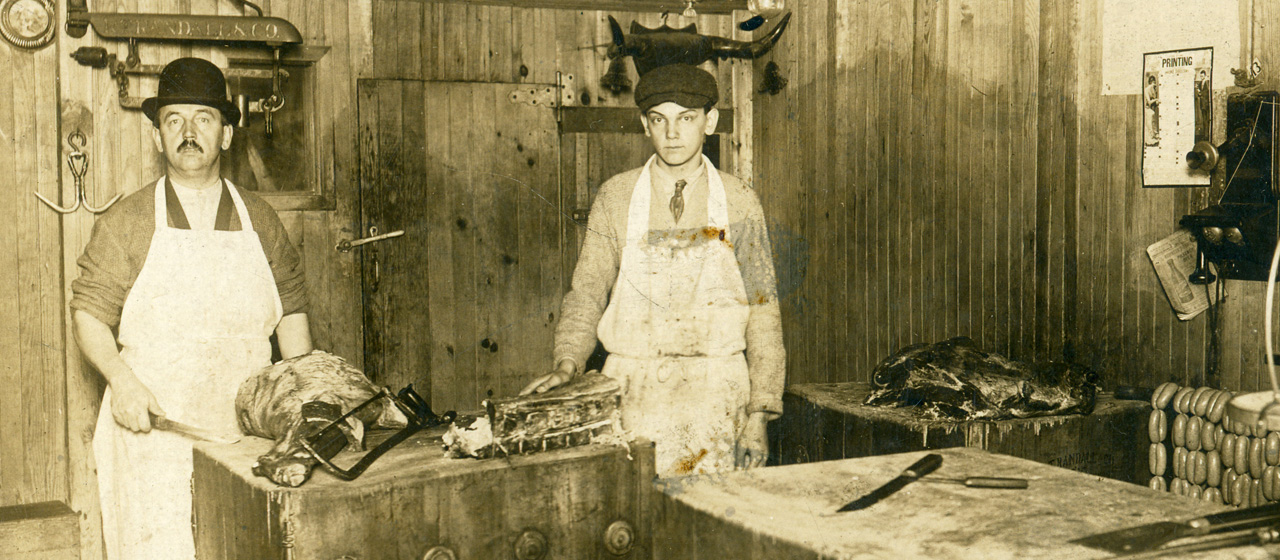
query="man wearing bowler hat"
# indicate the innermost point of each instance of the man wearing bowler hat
(194, 275)
(676, 280)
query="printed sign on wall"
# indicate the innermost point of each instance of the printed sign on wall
(1177, 110)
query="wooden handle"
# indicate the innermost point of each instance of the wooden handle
(994, 482)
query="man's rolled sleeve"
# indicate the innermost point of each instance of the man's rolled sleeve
(105, 275)
(593, 279)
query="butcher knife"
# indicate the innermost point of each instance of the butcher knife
(924, 466)
(1154, 535)
(162, 423)
(983, 482)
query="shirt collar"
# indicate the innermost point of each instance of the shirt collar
(665, 182)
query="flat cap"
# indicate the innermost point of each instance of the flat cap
(688, 86)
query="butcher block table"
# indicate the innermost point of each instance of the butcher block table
(789, 512)
(825, 421)
(413, 503)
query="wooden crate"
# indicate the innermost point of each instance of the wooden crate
(414, 499)
(789, 512)
(826, 421)
(43, 531)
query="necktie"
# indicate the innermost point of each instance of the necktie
(677, 200)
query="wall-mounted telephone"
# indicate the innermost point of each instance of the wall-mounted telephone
(1240, 231)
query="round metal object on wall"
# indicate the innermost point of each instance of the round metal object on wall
(29, 24)
(440, 553)
(531, 545)
(620, 537)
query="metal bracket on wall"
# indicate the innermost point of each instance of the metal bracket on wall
(269, 31)
(536, 95)
(545, 95)
(98, 57)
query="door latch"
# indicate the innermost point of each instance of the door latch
(346, 245)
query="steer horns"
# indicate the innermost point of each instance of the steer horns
(651, 48)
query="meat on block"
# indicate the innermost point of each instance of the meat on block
(955, 380)
(582, 411)
(296, 398)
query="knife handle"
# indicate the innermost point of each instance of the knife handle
(924, 466)
(994, 482)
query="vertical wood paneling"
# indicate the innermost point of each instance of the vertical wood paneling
(1123, 325)
(926, 226)
(489, 214)
(1000, 200)
(33, 460)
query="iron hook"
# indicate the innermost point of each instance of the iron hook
(78, 161)
(76, 140)
(57, 208)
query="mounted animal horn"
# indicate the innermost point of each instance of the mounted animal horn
(651, 48)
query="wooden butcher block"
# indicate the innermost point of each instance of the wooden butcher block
(789, 512)
(825, 421)
(413, 503)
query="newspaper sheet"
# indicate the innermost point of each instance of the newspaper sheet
(1174, 259)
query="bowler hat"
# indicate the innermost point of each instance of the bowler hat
(192, 81)
(688, 86)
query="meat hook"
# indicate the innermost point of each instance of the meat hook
(78, 162)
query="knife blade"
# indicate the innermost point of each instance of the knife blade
(1154, 535)
(925, 465)
(165, 424)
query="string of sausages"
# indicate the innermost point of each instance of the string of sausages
(1203, 454)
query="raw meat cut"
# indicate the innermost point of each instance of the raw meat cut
(955, 380)
(583, 411)
(295, 398)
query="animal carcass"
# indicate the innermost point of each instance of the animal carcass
(955, 380)
(297, 397)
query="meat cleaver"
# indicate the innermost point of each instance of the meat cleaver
(165, 424)
(1154, 535)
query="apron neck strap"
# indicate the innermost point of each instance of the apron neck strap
(162, 204)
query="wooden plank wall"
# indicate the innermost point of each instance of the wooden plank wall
(457, 42)
(1127, 328)
(943, 168)
(899, 174)
(1124, 324)
(32, 411)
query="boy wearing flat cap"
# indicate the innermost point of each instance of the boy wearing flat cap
(195, 275)
(676, 280)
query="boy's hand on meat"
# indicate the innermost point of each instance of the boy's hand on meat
(561, 375)
(752, 447)
(132, 404)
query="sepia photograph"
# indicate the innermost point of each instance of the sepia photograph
(639, 279)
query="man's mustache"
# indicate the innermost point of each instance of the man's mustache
(190, 144)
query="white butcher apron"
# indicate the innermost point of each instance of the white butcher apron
(675, 329)
(195, 325)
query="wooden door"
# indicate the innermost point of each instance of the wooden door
(466, 301)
